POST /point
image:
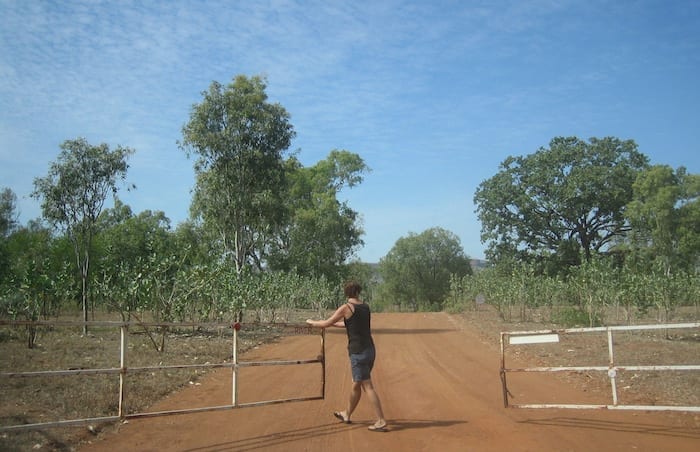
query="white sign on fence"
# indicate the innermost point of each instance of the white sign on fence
(534, 339)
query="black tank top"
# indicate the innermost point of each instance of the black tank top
(358, 329)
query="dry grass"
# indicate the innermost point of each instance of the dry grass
(39, 399)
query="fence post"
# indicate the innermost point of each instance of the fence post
(234, 383)
(122, 371)
(503, 371)
(323, 362)
(612, 372)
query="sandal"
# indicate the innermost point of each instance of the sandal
(340, 416)
(375, 428)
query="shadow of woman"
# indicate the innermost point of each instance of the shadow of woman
(410, 424)
(280, 438)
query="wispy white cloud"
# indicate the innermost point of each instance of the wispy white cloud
(444, 90)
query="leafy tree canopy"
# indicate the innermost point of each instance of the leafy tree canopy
(8, 212)
(79, 181)
(322, 232)
(572, 193)
(74, 192)
(238, 137)
(417, 270)
(665, 215)
(125, 237)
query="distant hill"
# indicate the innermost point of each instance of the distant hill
(478, 264)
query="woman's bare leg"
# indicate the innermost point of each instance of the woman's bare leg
(376, 403)
(355, 395)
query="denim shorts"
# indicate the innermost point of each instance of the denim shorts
(361, 364)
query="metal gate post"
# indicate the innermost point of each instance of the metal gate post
(234, 388)
(503, 371)
(322, 357)
(612, 371)
(122, 369)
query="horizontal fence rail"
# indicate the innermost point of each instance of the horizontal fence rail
(612, 369)
(123, 370)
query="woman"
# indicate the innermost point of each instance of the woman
(354, 316)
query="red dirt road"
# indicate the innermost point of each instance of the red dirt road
(439, 385)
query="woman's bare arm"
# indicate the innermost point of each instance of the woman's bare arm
(334, 320)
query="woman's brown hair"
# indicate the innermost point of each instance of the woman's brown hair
(352, 289)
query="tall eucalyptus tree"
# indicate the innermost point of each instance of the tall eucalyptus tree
(239, 139)
(73, 194)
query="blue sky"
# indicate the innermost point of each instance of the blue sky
(433, 95)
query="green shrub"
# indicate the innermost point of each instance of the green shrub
(571, 317)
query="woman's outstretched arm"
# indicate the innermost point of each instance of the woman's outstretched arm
(334, 320)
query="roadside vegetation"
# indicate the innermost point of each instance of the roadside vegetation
(595, 293)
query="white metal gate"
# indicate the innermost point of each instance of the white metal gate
(123, 370)
(612, 369)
